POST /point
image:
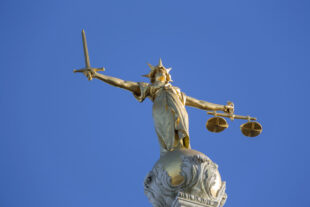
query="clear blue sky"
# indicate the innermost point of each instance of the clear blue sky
(66, 141)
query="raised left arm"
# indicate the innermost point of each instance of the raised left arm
(204, 105)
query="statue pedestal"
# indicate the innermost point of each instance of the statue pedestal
(187, 200)
(185, 178)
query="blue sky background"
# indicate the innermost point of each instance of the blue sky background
(65, 141)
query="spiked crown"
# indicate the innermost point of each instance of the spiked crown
(160, 66)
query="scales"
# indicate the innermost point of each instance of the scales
(218, 124)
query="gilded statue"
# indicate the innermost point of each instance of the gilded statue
(169, 112)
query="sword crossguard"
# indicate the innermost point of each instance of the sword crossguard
(88, 72)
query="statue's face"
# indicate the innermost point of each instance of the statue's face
(160, 76)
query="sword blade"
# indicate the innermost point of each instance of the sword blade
(87, 63)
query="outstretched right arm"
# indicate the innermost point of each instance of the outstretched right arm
(128, 85)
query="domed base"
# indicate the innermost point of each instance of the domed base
(184, 172)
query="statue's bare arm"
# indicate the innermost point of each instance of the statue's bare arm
(128, 85)
(204, 105)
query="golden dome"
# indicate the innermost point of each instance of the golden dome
(171, 162)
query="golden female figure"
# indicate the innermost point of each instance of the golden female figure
(169, 113)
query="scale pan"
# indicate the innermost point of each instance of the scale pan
(216, 124)
(251, 129)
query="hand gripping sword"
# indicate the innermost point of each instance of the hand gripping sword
(87, 70)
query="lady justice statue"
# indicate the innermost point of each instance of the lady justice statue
(182, 176)
(169, 113)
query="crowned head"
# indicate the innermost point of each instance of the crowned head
(159, 73)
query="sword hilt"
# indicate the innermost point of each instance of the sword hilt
(88, 71)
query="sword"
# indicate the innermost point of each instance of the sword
(87, 70)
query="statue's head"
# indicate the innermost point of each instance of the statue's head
(159, 73)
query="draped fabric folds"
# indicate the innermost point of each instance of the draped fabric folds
(169, 115)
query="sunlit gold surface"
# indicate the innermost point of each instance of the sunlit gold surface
(216, 124)
(251, 129)
(172, 162)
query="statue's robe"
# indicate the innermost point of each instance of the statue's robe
(169, 114)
